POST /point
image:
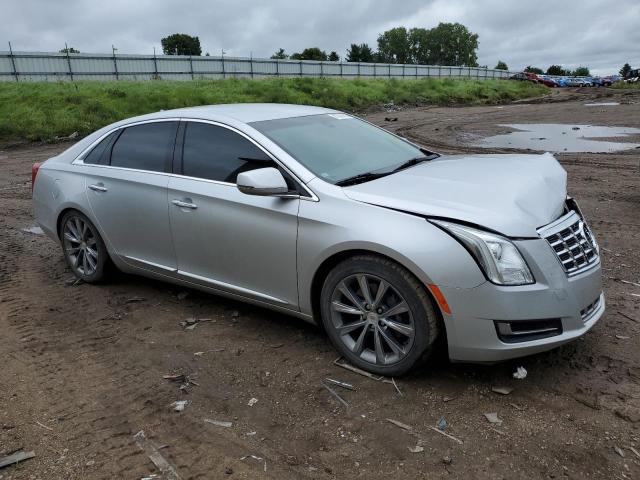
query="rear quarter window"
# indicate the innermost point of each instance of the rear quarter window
(100, 154)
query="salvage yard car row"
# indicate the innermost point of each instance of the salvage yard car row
(565, 81)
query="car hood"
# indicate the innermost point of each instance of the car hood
(510, 194)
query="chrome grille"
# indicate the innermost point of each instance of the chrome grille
(572, 241)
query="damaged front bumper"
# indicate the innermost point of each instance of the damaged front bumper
(490, 323)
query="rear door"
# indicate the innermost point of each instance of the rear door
(127, 191)
(224, 238)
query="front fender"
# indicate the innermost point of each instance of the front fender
(334, 225)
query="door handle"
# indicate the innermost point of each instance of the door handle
(98, 188)
(181, 204)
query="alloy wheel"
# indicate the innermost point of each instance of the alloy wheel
(80, 245)
(372, 319)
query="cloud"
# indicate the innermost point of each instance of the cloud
(601, 35)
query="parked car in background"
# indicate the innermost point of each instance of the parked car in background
(561, 81)
(606, 82)
(524, 77)
(577, 82)
(318, 214)
(594, 81)
(547, 81)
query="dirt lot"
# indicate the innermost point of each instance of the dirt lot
(82, 366)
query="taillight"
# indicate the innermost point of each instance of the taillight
(34, 173)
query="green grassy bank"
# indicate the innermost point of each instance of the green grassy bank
(42, 111)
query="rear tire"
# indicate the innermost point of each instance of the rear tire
(83, 247)
(388, 329)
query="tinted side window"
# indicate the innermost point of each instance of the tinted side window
(99, 155)
(217, 153)
(145, 147)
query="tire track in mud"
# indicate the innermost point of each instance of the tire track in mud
(74, 348)
(69, 351)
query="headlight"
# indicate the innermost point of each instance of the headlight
(498, 257)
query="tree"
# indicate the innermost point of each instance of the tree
(535, 70)
(333, 57)
(73, 50)
(421, 46)
(625, 70)
(393, 46)
(360, 53)
(556, 70)
(181, 44)
(446, 44)
(313, 53)
(581, 72)
(280, 55)
(501, 66)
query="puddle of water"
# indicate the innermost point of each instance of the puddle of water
(602, 104)
(33, 230)
(552, 137)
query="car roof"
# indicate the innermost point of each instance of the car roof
(240, 112)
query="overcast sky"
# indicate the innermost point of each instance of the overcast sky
(602, 35)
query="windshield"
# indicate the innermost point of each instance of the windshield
(338, 146)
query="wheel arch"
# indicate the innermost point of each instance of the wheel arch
(77, 208)
(64, 211)
(334, 259)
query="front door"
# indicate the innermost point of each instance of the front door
(223, 238)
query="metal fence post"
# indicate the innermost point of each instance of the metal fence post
(155, 64)
(13, 62)
(341, 75)
(389, 71)
(191, 67)
(277, 68)
(358, 69)
(66, 48)
(115, 64)
(321, 70)
(251, 65)
(300, 67)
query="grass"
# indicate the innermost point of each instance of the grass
(41, 111)
(626, 86)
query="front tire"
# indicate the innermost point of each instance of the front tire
(378, 315)
(83, 248)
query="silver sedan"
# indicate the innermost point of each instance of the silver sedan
(321, 215)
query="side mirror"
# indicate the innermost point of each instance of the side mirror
(262, 181)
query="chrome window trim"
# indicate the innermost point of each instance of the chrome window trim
(79, 160)
(253, 141)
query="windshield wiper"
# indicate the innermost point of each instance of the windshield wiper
(414, 161)
(360, 178)
(365, 177)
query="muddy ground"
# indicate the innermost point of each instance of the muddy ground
(81, 366)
